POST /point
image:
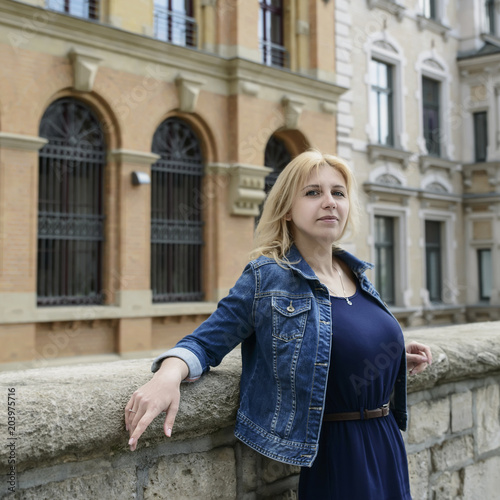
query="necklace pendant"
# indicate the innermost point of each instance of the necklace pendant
(348, 301)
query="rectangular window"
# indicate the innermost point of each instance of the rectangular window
(431, 111)
(88, 9)
(384, 258)
(174, 22)
(489, 16)
(433, 256)
(271, 34)
(485, 272)
(429, 9)
(480, 136)
(381, 102)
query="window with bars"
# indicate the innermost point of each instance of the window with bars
(431, 118)
(88, 9)
(174, 22)
(70, 206)
(480, 136)
(381, 101)
(176, 214)
(433, 260)
(271, 34)
(385, 258)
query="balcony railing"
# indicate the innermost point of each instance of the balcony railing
(175, 27)
(274, 54)
(88, 9)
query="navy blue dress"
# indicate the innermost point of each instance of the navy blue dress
(360, 459)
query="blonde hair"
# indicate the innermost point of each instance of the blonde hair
(273, 236)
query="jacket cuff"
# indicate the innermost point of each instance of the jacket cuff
(194, 365)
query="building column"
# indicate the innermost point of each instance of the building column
(18, 241)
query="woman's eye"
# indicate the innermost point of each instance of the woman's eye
(312, 192)
(338, 193)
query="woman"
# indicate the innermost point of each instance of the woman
(322, 357)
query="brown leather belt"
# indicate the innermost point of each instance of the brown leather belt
(383, 411)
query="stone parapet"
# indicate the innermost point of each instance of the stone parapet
(70, 440)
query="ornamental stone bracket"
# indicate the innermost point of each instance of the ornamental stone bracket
(377, 152)
(188, 90)
(293, 109)
(427, 162)
(85, 68)
(21, 142)
(246, 189)
(492, 170)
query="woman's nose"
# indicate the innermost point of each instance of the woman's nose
(329, 201)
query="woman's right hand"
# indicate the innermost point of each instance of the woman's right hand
(161, 393)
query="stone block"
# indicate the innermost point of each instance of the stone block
(429, 419)
(418, 467)
(210, 475)
(487, 419)
(247, 467)
(461, 411)
(452, 453)
(482, 480)
(447, 486)
(272, 470)
(113, 484)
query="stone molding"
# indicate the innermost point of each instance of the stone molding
(427, 161)
(85, 66)
(135, 157)
(391, 6)
(377, 152)
(246, 190)
(434, 26)
(21, 142)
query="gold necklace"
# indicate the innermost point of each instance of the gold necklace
(343, 289)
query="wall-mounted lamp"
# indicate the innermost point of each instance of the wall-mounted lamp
(139, 178)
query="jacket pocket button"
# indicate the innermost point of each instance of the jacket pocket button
(290, 308)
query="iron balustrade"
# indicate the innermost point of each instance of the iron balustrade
(70, 206)
(88, 9)
(176, 214)
(274, 54)
(175, 27)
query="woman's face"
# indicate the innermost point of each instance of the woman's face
(321, 208)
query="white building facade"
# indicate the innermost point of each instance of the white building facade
(421, 128)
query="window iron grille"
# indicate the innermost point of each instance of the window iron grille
(274, 55)
(88, 9)
(70, 206)
(175, 27)
(176, 214)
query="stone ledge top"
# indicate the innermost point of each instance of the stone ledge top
(76, 412)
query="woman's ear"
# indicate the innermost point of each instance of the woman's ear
(288, 216)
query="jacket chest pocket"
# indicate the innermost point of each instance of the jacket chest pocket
(289, 317)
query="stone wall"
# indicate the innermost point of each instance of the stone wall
(69, 439)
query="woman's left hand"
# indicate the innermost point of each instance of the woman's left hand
(418, 357)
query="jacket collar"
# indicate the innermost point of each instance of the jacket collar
(298, 263)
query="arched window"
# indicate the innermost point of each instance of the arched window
(176, 214)
(276, 157)
(70, 206)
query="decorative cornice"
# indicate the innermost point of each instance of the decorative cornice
(427, 161)
(376, 152)
(135, 157)
(85, 68)
(492, 168)
(390, 6)
(21, 142)
(246, 189)
(434, 26)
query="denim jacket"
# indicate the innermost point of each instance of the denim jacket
(282, 317)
